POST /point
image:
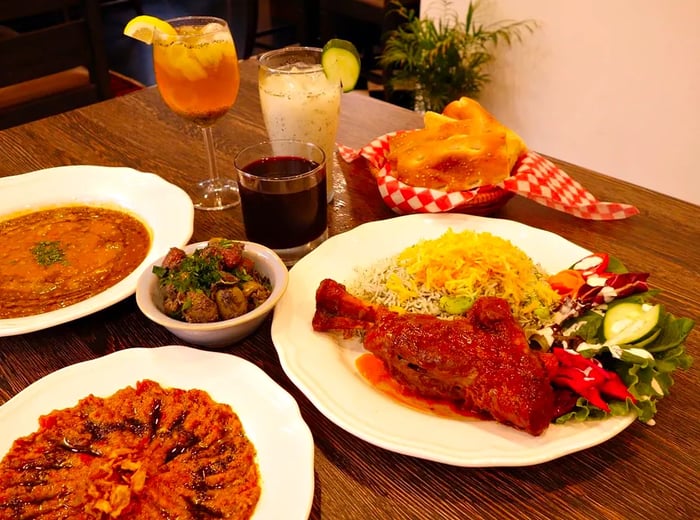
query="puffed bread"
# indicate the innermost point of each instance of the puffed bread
(463, 148)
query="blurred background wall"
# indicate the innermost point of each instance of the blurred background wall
(612, 85)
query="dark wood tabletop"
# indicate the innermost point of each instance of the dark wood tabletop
(644, 472)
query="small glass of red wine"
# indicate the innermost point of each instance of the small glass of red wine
(283, 196)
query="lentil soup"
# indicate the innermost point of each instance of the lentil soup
(59, 256)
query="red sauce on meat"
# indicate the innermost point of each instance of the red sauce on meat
(376, 373)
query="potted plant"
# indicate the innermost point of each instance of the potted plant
(442, 60)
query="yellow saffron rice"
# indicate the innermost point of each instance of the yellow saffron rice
(445, 275)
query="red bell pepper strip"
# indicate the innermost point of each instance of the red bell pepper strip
(591, 393)
(592, 264)
(589, 379)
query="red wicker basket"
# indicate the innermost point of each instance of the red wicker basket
(404, 199)
(482, 201)
(488, 201)
(533, 176)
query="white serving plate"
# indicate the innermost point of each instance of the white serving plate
(270, 416)
(325, 370)
(164, 208)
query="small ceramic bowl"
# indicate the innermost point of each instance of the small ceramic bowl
(218, 333)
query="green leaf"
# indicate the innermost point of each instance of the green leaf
(583, 411)
(616, 266)
(589, 326)
(674, 331)
(444, 59)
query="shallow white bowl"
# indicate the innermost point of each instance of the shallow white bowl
(218, 333)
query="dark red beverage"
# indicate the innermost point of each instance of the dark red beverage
(282, 208)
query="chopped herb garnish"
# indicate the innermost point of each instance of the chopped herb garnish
(195, 272)
(212, 283)
(48, 253)
(242, 274)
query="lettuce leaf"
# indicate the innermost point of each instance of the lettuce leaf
(583, 411)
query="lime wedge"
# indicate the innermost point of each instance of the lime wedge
(144, 26)
(341, 62)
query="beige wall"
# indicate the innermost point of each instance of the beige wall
(612, 85)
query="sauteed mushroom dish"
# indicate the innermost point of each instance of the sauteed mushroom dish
(217, 282)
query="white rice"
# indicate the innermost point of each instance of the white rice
(370, 282)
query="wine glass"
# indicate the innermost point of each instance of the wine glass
(198, 78)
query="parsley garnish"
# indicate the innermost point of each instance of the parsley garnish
(48, 253)
(195, 272)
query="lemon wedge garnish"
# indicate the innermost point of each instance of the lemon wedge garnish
(144, 26)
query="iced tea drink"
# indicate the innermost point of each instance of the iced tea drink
(197, 71)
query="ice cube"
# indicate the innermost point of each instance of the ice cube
(185, 60)
(212, 27)
(214, 32)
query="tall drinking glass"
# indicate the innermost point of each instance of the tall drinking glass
(198, 78)
(299, 102)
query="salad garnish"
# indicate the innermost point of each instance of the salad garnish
(607, 331)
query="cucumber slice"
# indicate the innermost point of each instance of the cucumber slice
(341, 63)
(627, 323)
(648, 339)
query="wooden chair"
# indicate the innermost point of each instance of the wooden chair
(52, 58)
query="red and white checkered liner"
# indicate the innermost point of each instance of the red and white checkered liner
(535, 178)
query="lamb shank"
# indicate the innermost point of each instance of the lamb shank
(481, 362)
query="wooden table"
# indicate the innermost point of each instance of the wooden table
(644, 472)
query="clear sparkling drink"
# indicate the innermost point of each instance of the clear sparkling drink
(299, 102)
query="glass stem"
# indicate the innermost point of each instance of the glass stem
(211, 156)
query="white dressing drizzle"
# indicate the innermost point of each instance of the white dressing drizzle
(615, 350)
(608, 293)
(596, 281)
(589, 262)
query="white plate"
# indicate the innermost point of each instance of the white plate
(270, 416)
(326, 372)
(165, 209)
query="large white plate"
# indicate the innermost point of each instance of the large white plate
(325, 371)
(165, 209)
(270, 416)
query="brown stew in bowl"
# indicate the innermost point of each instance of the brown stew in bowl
(56, 257)
(214, 283)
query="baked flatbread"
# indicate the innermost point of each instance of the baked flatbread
(463, 148)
